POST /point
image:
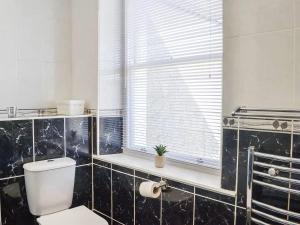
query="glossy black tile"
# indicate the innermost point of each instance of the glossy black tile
(14, 206)
(78, 139)
(177, 207)
(83, 187)
(270, 196)
(49, 138)
(102, 163)
(268, 212)
(111, 135)
(147, 210)
(179, 185)
(241, 216)
(147, 176)
(209, 212)
(266, 142)
(123, 197)
(215, 195)
(102, 190)
(123, 169)
(15, 147)
(94, 134)
(229, 159)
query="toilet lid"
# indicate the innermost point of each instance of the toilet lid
(76, 216)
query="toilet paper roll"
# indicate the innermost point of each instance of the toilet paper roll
(150, 189)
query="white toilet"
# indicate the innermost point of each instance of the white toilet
(49, 187)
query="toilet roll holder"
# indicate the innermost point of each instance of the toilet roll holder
(163, 185)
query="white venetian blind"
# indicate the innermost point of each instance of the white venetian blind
(174, 77)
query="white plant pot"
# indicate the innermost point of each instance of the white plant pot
(160, 161)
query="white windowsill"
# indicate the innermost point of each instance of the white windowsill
(202, 177)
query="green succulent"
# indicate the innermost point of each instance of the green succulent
(160, 149)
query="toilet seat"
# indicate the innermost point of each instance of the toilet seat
(76, 216)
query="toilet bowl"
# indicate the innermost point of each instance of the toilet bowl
(49, 188)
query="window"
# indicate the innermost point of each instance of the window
(173, 67)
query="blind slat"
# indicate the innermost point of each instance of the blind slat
(174, 75)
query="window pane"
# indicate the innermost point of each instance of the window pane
(174, 76)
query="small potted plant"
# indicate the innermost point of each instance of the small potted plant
(160, 159)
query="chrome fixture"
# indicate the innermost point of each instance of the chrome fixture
(244, 111)
(12, 112)
(163, 185)
(273, 173)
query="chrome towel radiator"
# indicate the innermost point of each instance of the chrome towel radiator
(261, 166)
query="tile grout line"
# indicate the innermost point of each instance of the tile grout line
(111, 194)
(194, 206)
(93, 198)
(33, 142)
(13, 177)
(291, 165)
(161, 206)
(88, 164)
(134, 195)
(237, 171)
(225, 203)
(93, 191)
(65, 137)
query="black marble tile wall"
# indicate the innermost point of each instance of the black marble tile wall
(177, 207)
(123, 197)
(229, 159)
(147, 210)
(15, 147)
(14, 206)
(271, 137)
(83, 187)
(49, 138)
(266, 142)
(174, 207)
(102, 189)
(215, 195)
(210, 212)
(123, 169)
(241, 216)
(111, 135)
(94, 134)
(78, 139)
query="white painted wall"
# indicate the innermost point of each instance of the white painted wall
(35, 52)
(85, 51)
(261, 53)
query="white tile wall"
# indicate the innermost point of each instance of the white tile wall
(110, 55)
(85, 51)
(35, 56)
(261, 54)
(48, 52)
